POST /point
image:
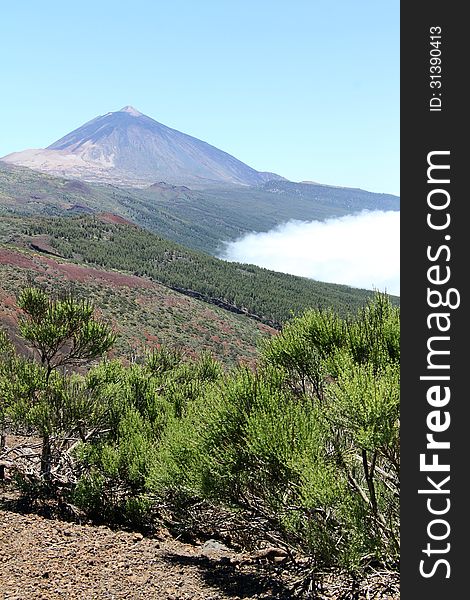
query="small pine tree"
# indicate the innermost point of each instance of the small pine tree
(63, 332)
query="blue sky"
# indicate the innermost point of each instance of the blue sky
(308, 88)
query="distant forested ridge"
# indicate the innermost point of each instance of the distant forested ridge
(272, 297)
(200, 219)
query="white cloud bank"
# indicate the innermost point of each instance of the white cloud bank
(360, 250)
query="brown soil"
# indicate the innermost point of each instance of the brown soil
(16, 259)
(109, 217)
(50, 559)
(42, 559)
(71, 271)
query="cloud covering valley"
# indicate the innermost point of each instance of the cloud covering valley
(360, 250)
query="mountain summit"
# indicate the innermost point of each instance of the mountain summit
(132, 111)
(127, 147)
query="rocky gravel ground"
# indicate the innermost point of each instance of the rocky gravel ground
(50, 559)
(44, 559)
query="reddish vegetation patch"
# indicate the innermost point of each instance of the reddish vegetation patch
(70, 270)
(108, 217)
(156, 314)
(7, 302)
(190, 353)
(210, 314)
(174, 301)
(225, 328)
(249, 363)
(150, 337)
(9, 323)
(16, 259)
(81, 274)
(149, 301)
(267, 329)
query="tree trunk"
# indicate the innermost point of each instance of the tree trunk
(46, 457)
(369, 475)
(3, 441)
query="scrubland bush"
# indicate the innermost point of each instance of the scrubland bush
(309, 440)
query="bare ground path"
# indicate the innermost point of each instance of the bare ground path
(44, 559)
(50, 559)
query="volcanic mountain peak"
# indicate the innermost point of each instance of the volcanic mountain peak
(132, 111)
(129, 148)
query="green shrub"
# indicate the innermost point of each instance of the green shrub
(311, 439)
(308, 442)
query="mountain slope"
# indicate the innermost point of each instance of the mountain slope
(143, 313)
(154, 291)
(269, 296)
(128, 147)
(199, 219)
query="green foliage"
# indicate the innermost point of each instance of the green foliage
(115, 466)
(272, 297)
(21, 382)
(374, 336)
(62, 407)
(146, 405)
(312, 439)
(307, 442)
(304, 346)
(63, 331)
(7, 368)
(161, 360)
(365, 404)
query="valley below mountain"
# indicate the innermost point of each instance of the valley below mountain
(154, 291)
(198, 219)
